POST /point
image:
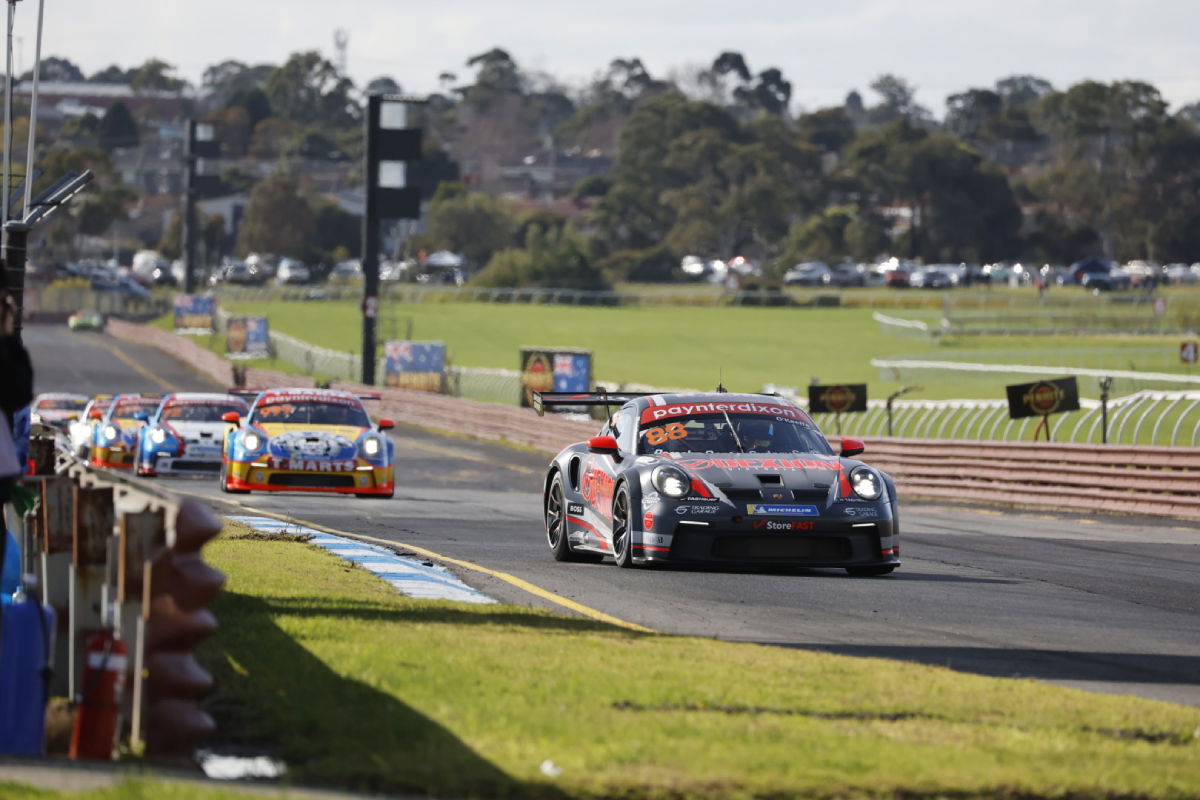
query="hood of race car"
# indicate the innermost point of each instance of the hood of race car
(308, 441)
(193, 431)
(795, 471)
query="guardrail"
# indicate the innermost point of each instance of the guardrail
(1167, 478)
(119, 562)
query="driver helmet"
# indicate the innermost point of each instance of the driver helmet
(756, 434)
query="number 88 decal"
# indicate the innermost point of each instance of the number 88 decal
(656, 436)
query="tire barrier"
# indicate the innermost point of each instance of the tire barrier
(1152, 480)
(119, 563)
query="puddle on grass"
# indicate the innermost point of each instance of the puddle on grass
(225, 767)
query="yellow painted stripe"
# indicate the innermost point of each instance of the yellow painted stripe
(520, 583)
(449, 451)
(136, 367)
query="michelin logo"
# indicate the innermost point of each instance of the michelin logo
(788, 511)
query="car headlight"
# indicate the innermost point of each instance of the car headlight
(252, 441)
(111, 432)
(158, 436)
(371, 446)
(671, 481)
(866, 483)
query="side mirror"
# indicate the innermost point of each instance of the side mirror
(97, 415)
(852, 447)
(604, 445)
(232, 417)
(386, 424)
(141, 416)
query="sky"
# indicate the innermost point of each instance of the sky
(826, 49)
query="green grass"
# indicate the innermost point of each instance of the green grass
(695, 347)
(360, 688)
(355, 687)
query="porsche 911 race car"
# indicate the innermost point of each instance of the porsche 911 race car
(115, 429)
(716, 477)
(308, 440)
(58, 409)
(185, 434)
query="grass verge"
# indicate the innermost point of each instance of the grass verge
(358, 688)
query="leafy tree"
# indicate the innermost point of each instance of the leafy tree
(231, 80)
(59, 70)
(154, 75)
(496, 74)
(821, 237)
(171, 244)
(113, 74)
(1022, 91)
(829, 129)
(85, 126)
(104, 201)
(213, 238)
(254, 102)
(382, 85)
(235, 180)
(277, 218)
(898, 101)
(271, 137)
(337, 230)
(118, 128)
(233, 128)
(553, 259)
(309, 89)
(475, 225)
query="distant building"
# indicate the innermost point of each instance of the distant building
(66, 100)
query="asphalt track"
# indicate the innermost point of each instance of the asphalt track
(1102, 603)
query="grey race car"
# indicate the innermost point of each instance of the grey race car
(716, 477)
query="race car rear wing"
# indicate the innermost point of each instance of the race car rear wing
(600, 397)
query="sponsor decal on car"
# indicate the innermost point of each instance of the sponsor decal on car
(757, 463)
(310, 465)
(575, 509)
(685, 510)
(860, 511)
(772, 525)
(596, 487)
(647, 521)
(765, 509)
(655, 413)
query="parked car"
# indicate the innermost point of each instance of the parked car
(847, 275)
(1098, 276)
(932, 277)
(291, 271)
(808, 273)
(234, 271)
(716, 478)
(349, 271)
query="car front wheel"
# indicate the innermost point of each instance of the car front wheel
(622, 534)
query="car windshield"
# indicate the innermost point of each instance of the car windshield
(201, 412)
(60, 404)
(311, 413)
(711, 433)
(127, 408)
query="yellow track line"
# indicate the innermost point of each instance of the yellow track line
(138, 368)
(520, 583)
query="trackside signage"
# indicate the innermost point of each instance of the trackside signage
(1043, 398)
(655, 413)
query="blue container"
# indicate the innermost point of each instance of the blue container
(23, 650)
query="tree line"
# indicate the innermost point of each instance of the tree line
(712, 161)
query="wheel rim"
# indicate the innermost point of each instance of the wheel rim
(554, 515)
(620, 527)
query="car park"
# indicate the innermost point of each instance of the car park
(715, 478)
(933, 277)
(115, 429)
(307, 440)
(185, 434)
(847, 275)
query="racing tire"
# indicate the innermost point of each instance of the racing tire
(556, 526)
(622, 528)
(869, 572)
(369, 495)
(225, 483)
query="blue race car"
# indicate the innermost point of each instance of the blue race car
(185, 433)
(115, 429)
(308, 440)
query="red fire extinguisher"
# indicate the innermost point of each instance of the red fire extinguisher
(95, 732)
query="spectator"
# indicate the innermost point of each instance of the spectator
(16, 392)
